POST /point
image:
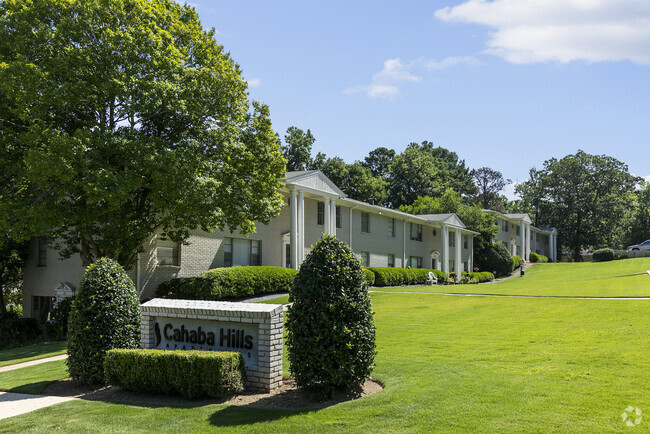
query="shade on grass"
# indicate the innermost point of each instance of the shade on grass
(33, 379)
(31, 352)
(624, 278)
(451, 364)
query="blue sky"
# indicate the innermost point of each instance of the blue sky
(505, 83)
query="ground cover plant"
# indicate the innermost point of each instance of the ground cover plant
(449, 364)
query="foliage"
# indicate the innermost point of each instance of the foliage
(297, 149)
(638, 226)
(536, 257)
(481, 276)
(355, 180)
(330, 329)
(390, 276)
(105, 315)
(489, 183)
(517, 261)
(61, 316)
(122, 119)
(603, 255)
(422, 170)
(369, 275)
(378, 161)
(191, 373)
(18, 331)
(583, 196)
(229, 282)
(12, 261)
(496, 258)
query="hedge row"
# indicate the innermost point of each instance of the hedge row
(536, 257)
(482, 276)
(389, 276)
(602, 255)
(370, 276)
(191, 373)
(518, 261)
(229, 282)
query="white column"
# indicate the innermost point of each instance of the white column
(293, 237)
(522, 240)
(404, 245)
(301, 227)
(459, 257)
(350, 243)
(326, 226)
(444, 257)
(470, 263)
(527, 243)
(333, 217)
(552, 247)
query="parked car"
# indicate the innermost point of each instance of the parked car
(641, 246)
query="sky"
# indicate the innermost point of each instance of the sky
(505, 84)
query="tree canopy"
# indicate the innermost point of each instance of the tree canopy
(584, 196)
(489, 183)
(297, 149)
(124, 118)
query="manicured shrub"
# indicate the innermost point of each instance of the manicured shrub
(517, 262)
(104, 315)
(496, 258)
(18, 331)
(602, 255)
(191, 373)
(389, 276)
(330, 328)
(370, 276)
(536, 257)
(480, 276)
(61, 315)
(621, 255)
(228, 282)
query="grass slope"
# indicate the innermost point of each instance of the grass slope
(624, 278)
(449, 364)
(31, 352)
(33, 379)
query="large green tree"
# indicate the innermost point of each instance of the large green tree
(584, 196)
(489, 183)
(638, 221)
(12, 260)
(297, 149)
(425, 170)
(123, 118)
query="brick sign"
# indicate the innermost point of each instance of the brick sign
(255, 330)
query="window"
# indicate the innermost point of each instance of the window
(452, 264)
(465, 241)
(415, 261)
(537, 238)
(504, 225)
(391, 227)
(320, 212)
(518, 230)
(41, 308)
(365, 259)
(338, 217)
(416, 232)
(42, 252)
(167, 252)
(365, 222)
(391, 260)
(237, 251)
(452, 239)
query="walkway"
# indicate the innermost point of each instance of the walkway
(33, 362)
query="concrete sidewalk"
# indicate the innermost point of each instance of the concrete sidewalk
(14, 404)
(33, 362)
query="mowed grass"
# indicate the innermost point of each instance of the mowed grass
(624, 278)
(448, 364)
(33, 379)
(31, 352)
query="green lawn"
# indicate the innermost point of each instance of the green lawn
(625, 278)
(449, 364)
(31, 352)
(33, 379)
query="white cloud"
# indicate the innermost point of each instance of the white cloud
(386, 83)
(529, 31)
(254, 82)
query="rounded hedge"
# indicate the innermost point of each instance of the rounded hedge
(496, 258)
(104, 315)
(602, 255)
(330, 328)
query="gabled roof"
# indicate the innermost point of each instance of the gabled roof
(510, 217)
(546, 229)
(449, 219)
(314, 181)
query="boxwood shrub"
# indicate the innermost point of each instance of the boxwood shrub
(536, 257)
(517, 261)
(105, 315)
(370, 276)
(390, 276)
(191, 373)
(496, 258)
(481, 276)
(602, 255)
(227, 282)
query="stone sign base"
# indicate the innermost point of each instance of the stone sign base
(253, 329)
